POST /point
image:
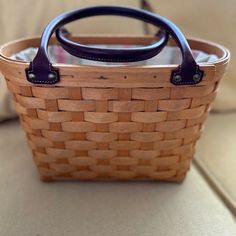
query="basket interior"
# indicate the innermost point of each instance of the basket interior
(169, 55)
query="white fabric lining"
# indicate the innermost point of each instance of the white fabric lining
(169, 55)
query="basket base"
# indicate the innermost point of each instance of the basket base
(48, 179)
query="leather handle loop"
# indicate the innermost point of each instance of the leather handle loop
(111, 54)
(41, 70)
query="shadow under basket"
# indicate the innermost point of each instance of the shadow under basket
(112, 122)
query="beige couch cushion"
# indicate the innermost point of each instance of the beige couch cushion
(29, 207)
(29, 19)
(216, 155)
(6, 106)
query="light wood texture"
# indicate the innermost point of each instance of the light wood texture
(134, 124)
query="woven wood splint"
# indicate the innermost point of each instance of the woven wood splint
(125, 123)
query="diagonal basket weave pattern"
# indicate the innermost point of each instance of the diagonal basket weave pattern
(113, 123)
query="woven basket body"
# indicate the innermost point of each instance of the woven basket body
(125, 123)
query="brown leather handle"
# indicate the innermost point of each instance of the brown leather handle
(111, 54)
(41, 70)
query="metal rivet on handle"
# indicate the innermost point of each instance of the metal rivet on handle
(31, 76)
(177, 78)
(51, 76)
(196, 78)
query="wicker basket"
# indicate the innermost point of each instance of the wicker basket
(125, 123)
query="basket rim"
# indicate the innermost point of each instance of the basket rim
(199, 44)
